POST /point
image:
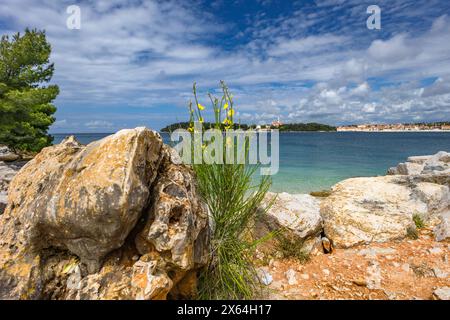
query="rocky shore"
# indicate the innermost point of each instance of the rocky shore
(116, 219)
(371, 238)
(120, 218)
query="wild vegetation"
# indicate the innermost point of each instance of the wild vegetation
(26, 109)
(233, 197)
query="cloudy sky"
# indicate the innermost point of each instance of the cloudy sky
(133, 62)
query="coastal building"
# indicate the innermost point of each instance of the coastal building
(277, 123)
(396, 127)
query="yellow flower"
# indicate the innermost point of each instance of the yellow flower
(231, 112)
(191, 129)
(226, 121)
(200, 107)
(225, 106)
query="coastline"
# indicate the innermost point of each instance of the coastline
(348, 252)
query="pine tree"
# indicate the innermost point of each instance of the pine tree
(26, 109)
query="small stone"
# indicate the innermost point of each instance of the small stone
(442, 293)
(373, 277)
(305, 276)
(435, 250)
(264, 276)
(326, 272)
(326, 243)
(360, 282)
(439, 273)
(405, 267)
(291, 277)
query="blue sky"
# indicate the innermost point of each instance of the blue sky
(133, 62)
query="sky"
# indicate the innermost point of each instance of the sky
(133, 62)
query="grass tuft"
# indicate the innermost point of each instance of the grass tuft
(412, 233)
(290, 248)
(418, 221)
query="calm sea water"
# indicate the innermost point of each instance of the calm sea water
(311, 161)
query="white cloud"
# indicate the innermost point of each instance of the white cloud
(148, 53)
(99, 124)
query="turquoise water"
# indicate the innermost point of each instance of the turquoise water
(311, 161)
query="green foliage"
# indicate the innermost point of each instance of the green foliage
(306, 127)
(233, 199)
(26, 111)
(243, 126)
(206, 126)
(290, 248)
(320, 194)
(418, 221)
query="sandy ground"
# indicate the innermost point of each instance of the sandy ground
(407, 269)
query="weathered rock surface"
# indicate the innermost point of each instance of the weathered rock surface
(177, 229)
(7, 173)
(297, 216)
(85, 199)
(7, 155)
(378, 209)
(117, 219)
(442, 230)
(440, 162)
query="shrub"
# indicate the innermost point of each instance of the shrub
(418, 221)
(233, 196)
(290, 248)
(321, 194)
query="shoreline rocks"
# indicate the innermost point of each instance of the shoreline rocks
(297, 216)
(369, 209)
(380, 209)
(7, 173)
(7, 155)
(119, 218)
(430, 164)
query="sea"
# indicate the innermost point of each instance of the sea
(315, 161)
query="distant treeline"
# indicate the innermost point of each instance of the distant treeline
(306, 127)
(285, 127)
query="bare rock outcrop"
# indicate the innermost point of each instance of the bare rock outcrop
(86, 222)
(297, 216)
(380, 209)
(437, 163)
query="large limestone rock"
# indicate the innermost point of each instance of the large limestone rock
(79, 223)
(85, 199)
(377, 209)
(297, 216)
(176, 232)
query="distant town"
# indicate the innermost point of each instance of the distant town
(313, 126)
(436, 126)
